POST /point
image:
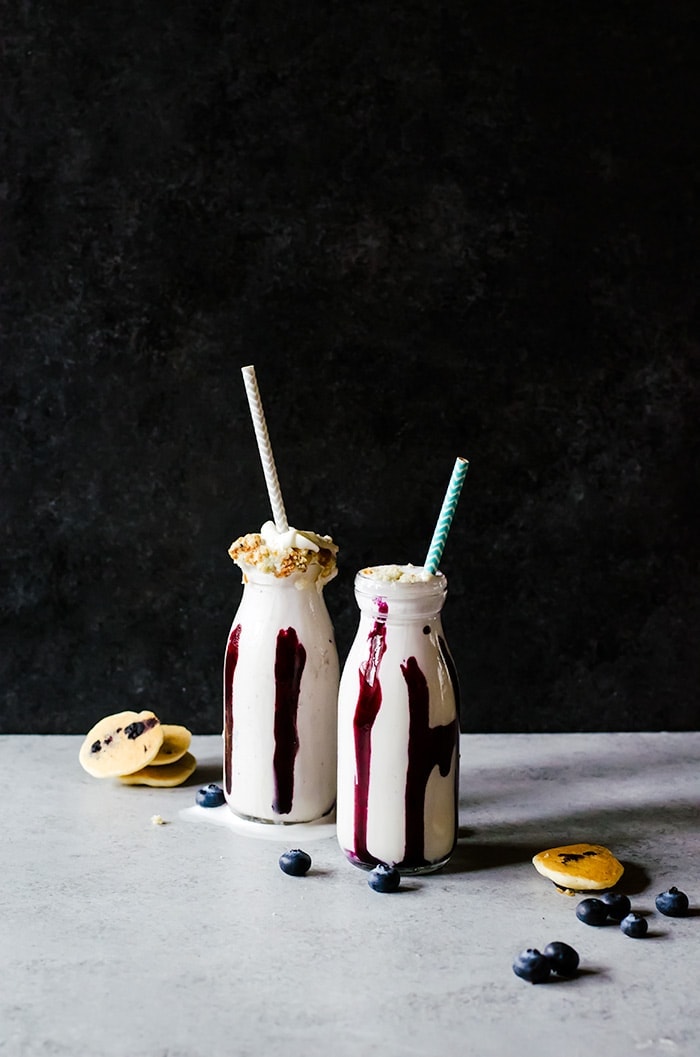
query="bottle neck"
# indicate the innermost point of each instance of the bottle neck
(309, 579)
(400, 601)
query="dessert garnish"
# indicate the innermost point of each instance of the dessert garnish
(296, 862)
(165, 775)
(384, 878)
(673, 903)
(283, 554)
(121, 744)
(536, 967)
(618, 905)
(562, 958)
(634, 925)
(592, 912)
(211, 795)
(138, 749)
(579, 867)
(176, 742)
(532, 965)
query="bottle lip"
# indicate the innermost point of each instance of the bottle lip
(372, 585)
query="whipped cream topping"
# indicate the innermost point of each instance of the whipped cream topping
(293, 539)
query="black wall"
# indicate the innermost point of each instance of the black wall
(435, 229)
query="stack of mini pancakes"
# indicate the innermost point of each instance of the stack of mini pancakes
(138, 749)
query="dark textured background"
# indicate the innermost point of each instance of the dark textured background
(435, 229)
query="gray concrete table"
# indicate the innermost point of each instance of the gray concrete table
(123, 937)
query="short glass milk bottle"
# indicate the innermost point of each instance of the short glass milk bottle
(281, 677)
(398, 726)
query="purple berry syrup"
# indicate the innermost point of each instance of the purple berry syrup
(290, 658)
(230, 662)
(368, 703)
(428, 747)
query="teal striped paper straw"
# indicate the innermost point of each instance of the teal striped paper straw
(449, 503)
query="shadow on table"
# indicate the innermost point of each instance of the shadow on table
(470, 855)
(206, 773)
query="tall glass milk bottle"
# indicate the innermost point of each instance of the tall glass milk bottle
(281, 677)
(398, 726)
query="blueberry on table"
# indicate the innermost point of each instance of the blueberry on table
(634, 925)
(532, 966)
(296, 862)
(384, 878)
(211, 795)
(592, 912)
(562, 958)
(618, 905)
(673, 904)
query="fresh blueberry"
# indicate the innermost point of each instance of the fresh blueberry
(673, 904)
(562, 958)
(592, 912)
(210, 795)
(634, 925)
(618, 905)
(384, 878)
(532, 966)
(295, 862)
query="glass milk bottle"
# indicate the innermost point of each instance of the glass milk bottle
(398, 726)
(280, 699)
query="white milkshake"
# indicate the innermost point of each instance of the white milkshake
(281, 680)
(398, 726)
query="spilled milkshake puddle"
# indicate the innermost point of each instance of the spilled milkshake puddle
(320, 829)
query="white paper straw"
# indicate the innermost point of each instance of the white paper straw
(265, 449)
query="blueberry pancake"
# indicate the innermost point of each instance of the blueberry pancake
(176, 742)
(579, 867)
(121, 744)
(170, 774)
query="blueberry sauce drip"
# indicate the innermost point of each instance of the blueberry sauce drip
(290, 658)
(428, 747)
(230, 662)
(368, 704)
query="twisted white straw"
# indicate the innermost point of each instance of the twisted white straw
(265, 449)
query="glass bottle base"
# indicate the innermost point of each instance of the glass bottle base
(282, 821)
(405, 869)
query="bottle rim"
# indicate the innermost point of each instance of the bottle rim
(373, 586)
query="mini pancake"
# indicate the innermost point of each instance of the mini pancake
(581, 867)
(121, 744)
(176, 742)
(169, 775)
